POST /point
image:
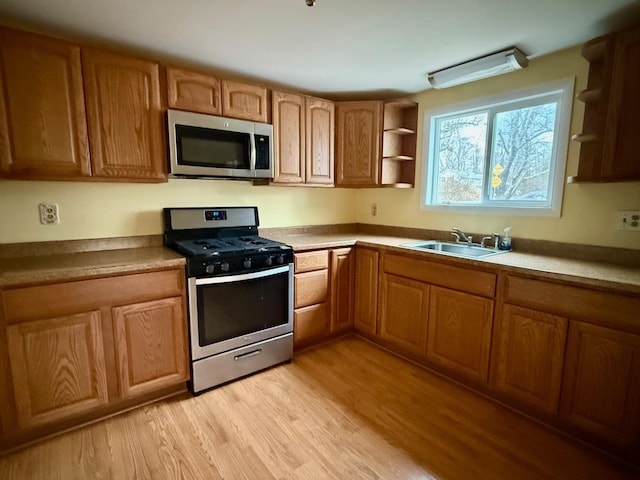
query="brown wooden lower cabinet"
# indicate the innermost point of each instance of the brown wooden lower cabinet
(366, 290)
(58, 368)
(601, 388)
(532, 352)
(342, 289)
(311, 294)
(86, 348)
(150, 346)
(404, 306)
(459, 338)
(323, 294)
(528, 356)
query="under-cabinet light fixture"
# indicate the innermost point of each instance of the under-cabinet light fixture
(483, 67)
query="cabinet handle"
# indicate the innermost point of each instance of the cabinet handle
(253, 353)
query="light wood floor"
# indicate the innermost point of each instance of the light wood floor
(342, 410)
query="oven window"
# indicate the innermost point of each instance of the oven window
(207, 147)
(234, 309)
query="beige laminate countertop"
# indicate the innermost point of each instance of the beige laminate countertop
(72, 266)
(579, 272)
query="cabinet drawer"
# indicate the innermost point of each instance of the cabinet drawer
(310, 322)
(59, 299)
(311, 287)
(309, 261)
(458, 278)
(575, 302)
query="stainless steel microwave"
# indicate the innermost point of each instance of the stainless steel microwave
(210, 146)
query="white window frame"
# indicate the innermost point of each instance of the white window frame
(564, 88)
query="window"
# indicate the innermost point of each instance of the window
(503, 154)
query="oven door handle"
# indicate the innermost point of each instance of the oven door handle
(245, 276)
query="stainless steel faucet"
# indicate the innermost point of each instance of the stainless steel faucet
(459, 234)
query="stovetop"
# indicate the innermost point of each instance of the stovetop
(209, 247)
(222, 241)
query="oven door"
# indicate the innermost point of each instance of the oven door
(237, 310)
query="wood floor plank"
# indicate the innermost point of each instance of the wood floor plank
(343, 410)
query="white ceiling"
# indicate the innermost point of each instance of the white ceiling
(335, 47)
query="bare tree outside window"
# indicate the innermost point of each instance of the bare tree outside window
(508, 151)
(523, 147)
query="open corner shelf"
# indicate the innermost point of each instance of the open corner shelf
(400, 124)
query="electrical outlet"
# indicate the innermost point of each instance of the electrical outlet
(49, 214)
(374, 209)
(628, 220)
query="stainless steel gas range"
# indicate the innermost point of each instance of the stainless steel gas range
(240, 292)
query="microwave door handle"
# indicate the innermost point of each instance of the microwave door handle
(252, 158)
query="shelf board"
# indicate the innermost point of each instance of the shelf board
(400, 131)
(585, 137)
(590, 96)
(399, 157)
(596, 49)
(397, 185)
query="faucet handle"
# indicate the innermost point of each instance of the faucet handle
(484, 240)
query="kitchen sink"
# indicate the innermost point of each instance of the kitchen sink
(455, 249)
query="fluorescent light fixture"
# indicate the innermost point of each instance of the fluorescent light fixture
(483, 67)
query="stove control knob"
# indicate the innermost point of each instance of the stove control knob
(211, 268)
(280, 259)
(268, 261)
(224, 266)
(247, 263)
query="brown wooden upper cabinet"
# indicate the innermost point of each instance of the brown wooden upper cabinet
(43, 125)
(245, 101)
(376, 144)
(202, 92)
(193, 91)
(124, 111)
(358, 139)
(304, 139)
(55, 98)
(609, 140)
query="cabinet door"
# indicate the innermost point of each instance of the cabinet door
(366, 291)
(528, 356)
(621, 139)
(358, 139)
(197, 92)
(43, 125)
(125, 116)
(58, 367)
(404, 306)
(150, 345)
(289, 137)
(459, 336)
(244, 101)
(320, 135)
(342, 273)
(601, 387)
(310, 323)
